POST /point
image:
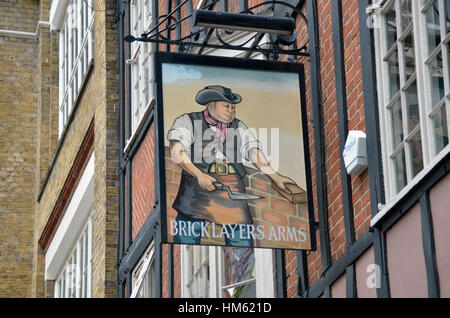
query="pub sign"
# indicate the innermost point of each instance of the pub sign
(233, 152)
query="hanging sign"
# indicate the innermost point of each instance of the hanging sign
(233, 152)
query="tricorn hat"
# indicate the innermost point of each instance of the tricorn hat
(217, 93)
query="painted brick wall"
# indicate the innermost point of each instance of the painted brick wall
(165, 271)
(276, 210)
(176, 271)
(273, 211)
(313, 258)
(355, 109)
(143, 184)
(18, 126)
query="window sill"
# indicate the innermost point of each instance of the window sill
(400, 197)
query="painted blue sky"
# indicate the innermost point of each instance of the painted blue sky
(180, 74)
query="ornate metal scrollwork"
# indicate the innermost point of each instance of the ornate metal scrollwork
(201, 37)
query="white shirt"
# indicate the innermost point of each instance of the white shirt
(182, 130)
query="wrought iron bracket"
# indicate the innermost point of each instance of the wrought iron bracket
(201, 38)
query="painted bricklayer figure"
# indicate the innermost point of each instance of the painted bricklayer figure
(210, 147)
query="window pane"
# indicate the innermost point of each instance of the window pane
(63, 284)
(406, 14)
(447, 5)
(448, 58)
(75, 30)
(69, 280)
(146, 83)
(78, 271)
(81, 9)
(440, 129)
(73, 268)
(416, 154)
(152, 276)
(138, 17)
(239, 266)
(394, 74)
(82, 265)
(205, 270)
(239, 263)
(433, 26)
(437, 79)
(391, 27)
(58, 289)
(397, 124)
(71, 47)
(400, 171)
(136, 101)
(89, 256)
(412, 104)
(410, 64)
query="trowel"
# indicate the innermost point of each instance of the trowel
(236, 195)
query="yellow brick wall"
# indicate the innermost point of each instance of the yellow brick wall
(34, 164)
(19, 15)
(18, 127)
(99, 102)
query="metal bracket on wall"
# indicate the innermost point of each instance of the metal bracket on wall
(182, 18)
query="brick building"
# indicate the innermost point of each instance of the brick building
(79, 202)
(375, 230)
(18, 73)
(59, 180)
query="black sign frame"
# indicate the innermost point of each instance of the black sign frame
(250, 64)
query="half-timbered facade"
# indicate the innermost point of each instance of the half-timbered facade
(367, 69)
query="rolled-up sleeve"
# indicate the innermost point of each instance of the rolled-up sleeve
(248, 141)
(182, 131)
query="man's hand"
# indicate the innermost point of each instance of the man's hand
(281, 181)
(206, 181)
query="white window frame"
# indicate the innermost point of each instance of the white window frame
(194, 269)
(142, 65)
(426, 109)
(74, 19)
(75, 280)
(75, 223)
(142, 276)
(201, 272)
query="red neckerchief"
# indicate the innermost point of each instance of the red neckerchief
(221, 131)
